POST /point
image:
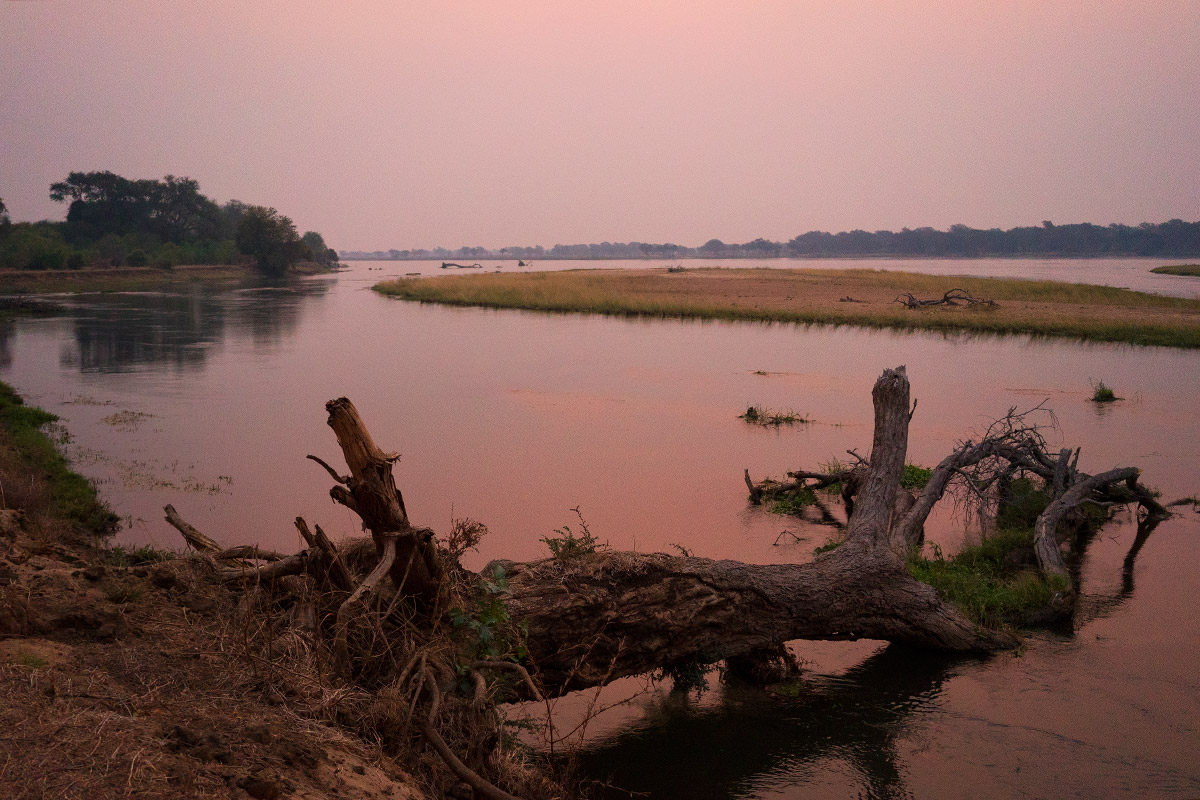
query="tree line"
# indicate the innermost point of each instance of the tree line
(114, 221)
(1175, 238)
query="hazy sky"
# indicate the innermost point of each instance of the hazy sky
(419, 124)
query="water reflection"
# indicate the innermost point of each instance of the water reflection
(6, 335)
(751, 740)
(133, 331)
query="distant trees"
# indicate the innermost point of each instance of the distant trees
(1175, 238)
(270, 238)
(117, 221)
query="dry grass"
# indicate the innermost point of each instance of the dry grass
(854, 297)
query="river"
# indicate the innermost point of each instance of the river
(210, 399)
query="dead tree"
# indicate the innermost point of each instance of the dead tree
(604, 615)
(954, 297)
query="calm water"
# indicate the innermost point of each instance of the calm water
(210, 400)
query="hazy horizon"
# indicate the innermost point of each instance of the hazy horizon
(534, 123)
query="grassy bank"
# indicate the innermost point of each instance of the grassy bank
(130, 279)
(39, 476)
(1188, 270)
(837, 297)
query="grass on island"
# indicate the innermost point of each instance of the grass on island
(1188, 270)
(1097, 313)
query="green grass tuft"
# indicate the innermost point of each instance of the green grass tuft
(985, 582)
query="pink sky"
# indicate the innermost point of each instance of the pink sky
(414, 124)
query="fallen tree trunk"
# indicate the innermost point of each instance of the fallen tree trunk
(604, 615)
(617, 614)
(610, 615)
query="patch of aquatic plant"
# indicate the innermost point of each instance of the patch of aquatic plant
(569, 544)
(1102, 393)
(985, 582)
(70, 494)
(794, 502)
(831, 543)
(126, 420)
(153, 475)
(86, 400)
(757, 415)
(1187, 270)
(915, 477)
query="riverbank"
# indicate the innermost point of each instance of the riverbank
(131, 279)
(121, 672)
(836, 297)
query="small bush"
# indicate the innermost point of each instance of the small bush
(568, 544)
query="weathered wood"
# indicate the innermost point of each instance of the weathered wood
(1045, 541)
(339, 576)
(195, 539)
(370, 490)
(610, 615)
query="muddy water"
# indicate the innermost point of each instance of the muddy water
(211, 400)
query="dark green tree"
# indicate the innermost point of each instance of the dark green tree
(270, 238)
(181, 213)
(320, 252)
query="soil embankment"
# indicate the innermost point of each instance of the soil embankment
(121, 673)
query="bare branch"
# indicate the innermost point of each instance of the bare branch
(333, 473)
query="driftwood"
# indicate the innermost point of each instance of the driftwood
(452, 265)
(954, 297)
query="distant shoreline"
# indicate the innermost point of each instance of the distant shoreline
(834, 297)
(129, 279)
